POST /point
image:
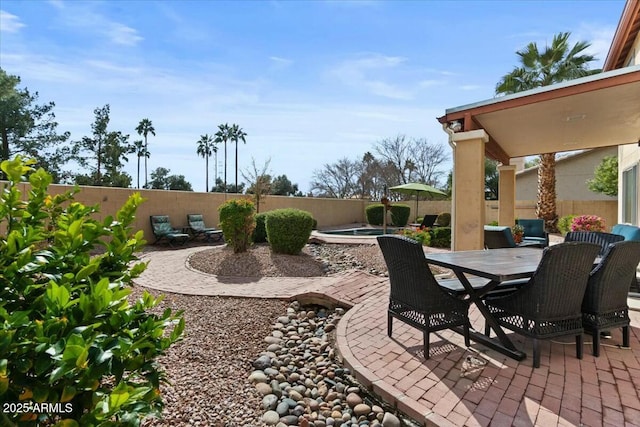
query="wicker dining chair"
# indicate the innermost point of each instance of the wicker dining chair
(549, 305)
(605, 301)
(600, 238)
(415, 297)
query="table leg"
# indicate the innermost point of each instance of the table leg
(506, 346)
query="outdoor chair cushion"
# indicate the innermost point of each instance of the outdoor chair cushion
(197, 227)
(162, 230)
(496, 237)
(534, 231)
(428, 220)
(630, 232)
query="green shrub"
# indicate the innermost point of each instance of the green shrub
(260, 232)
(314, 226)
(288, 230)
(444, 219)
(494, 223)
(441, 237)
(400, 215)
(421, 235)
(374, 214)
(564, 223)
(69, 335)
(237, 221)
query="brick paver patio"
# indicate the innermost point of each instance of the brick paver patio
(456, 386)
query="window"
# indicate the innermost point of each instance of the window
(630, 195)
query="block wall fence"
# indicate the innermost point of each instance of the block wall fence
(328, 212)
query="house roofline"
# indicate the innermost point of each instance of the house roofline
(625, 35)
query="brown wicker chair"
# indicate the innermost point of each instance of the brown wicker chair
(550, 304)
(416, 298)
(605, 301)
(602, 239)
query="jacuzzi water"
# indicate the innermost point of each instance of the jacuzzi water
(361, 231)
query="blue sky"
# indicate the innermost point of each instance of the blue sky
(310, 82)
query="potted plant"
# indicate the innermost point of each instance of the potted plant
(518, 233)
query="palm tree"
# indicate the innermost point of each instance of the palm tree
(223, 135)
(145, 127)
(237, 134)
(140, 151)
(205, 149)
(556, 63)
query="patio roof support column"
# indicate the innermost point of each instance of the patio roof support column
(468, 190)
(507, 195)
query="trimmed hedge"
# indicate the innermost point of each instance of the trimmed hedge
(237, 221)
(288, 230)
(260, 232)
(444, 219)
(374, 214)
(441, 237)
(400, 215)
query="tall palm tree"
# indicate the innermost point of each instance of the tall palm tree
(204, 149)
(145, 127)
(237, 134)
(556, 63)
(140, 151)
(222, 136)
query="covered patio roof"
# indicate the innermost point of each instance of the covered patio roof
(594, 111)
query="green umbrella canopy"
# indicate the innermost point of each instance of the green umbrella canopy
(416, 188)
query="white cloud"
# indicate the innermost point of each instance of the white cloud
(10, 23)
(59, 4)
(124, 35)
(470, 87)
(280, 63)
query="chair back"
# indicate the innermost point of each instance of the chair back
(609, 282)
(160, 225)
(532, 227)
(629, 232)
(602, 239)
(412, 282)
(556, 289)
(196, 221)
(496, 237)
(428, 220)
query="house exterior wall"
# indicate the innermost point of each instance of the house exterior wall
(572, 174)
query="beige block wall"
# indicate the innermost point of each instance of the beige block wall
(571, 177)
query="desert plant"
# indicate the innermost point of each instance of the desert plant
(517, 231)
(375, 214)
(444, 219)
(69, 335)
(237, 221)
(564, 223)
(260, 232)
(422, 235)
(400, 214)
(587, 223)
(441, 237)
(288, 230)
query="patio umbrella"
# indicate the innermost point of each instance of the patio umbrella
(416, 188)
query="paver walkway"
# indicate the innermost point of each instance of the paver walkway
(457, 386)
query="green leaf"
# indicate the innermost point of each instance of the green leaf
(118, 396)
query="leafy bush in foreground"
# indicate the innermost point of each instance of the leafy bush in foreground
(564, 224)
(288, 230)
(441, 237)
(237, 221)
(69, 334)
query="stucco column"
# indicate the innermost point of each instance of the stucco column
(507, 195)
(468, 190)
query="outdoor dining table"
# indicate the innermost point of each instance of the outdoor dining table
(499, 266)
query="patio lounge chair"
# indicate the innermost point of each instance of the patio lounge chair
(162, 230)
(497, 237)
(602, 239)
(428, 221)
(197, 227)
(534, 232)
(416, 298)
(549, 305)
(605, 302)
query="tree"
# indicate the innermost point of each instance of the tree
(222, 136)
(556, 63)
(221, 187)
(140, 151)
(491, 178)
(95, 146)
(161, 180)
(237, 134)
(282, 186)
(205, 149)
(338, 180)
(29, 129)
(259, 181)
(145, 127)
(605, 180)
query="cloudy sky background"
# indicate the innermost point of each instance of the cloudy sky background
(310, 82)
